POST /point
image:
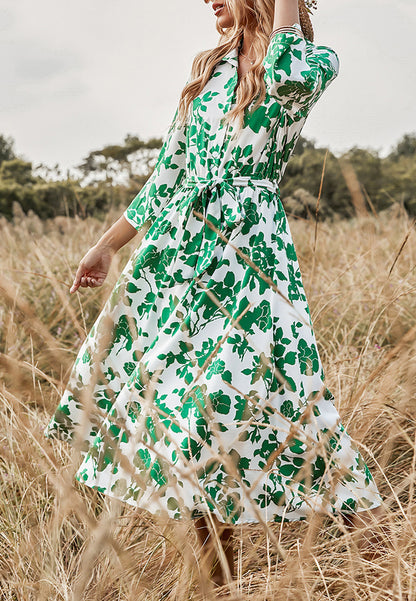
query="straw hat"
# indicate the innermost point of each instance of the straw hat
(305, 8)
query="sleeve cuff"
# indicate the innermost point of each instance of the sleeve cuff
(129, 219)
(295, 29)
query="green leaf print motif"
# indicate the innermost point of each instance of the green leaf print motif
(308, 357)
(122, 333)
(208, 366)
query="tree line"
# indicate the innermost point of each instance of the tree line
(316, 182)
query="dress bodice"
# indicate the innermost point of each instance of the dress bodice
(296, 73)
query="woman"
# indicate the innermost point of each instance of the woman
(199, 391)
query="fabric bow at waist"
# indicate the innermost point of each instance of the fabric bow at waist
(219, 201)
(221, 196)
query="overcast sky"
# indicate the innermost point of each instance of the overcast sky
(76, 75)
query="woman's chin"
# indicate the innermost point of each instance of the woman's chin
(224, 22)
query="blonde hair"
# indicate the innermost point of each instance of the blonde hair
(257, 16)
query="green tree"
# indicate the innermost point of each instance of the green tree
(18, 171)
(379, 181)
(406, 147)
(6, 149)
(111, 160)
(369, 169)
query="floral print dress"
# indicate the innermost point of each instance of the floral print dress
(200, 387)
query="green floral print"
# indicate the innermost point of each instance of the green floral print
(200, 386)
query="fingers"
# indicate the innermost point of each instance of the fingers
(89, 282)
(83, 280)
(77, 280)
(90, 272)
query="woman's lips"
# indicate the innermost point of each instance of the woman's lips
(219, 9)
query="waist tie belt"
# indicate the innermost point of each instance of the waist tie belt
(221, 204)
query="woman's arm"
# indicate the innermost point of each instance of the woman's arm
(286, 13)
(297, 71)
(169, 172)
(118, 234)
(94, 266)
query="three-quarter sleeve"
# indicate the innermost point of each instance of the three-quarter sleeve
(169, 171)
(297, 72)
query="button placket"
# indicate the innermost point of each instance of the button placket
(229, 102)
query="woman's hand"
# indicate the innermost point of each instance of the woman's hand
(93, 268)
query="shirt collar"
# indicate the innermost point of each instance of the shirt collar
(231, 56)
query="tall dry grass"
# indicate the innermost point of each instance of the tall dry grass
(60, 540)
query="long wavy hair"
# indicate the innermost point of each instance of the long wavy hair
(258, 17)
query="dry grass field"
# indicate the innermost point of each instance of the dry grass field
(60, 540)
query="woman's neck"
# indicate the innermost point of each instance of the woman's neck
(248, 38)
